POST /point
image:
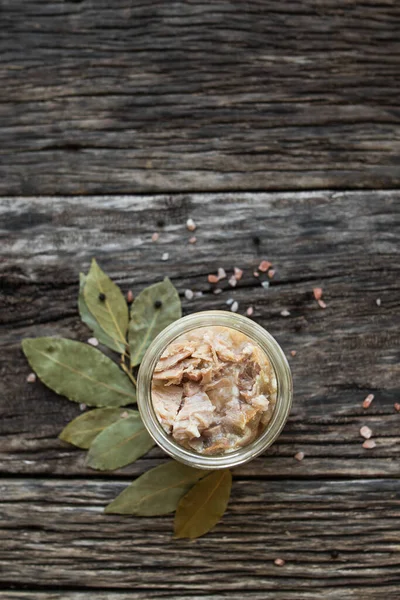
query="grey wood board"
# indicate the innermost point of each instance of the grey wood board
(173, 96)
(334, 536)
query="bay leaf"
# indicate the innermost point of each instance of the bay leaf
(156, 492)
(79, 372)
(120, 444)
(106, 303)
(203, 505)
(81, 431)
(93, 324)
(149, 317)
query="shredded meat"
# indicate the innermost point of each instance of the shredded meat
(213, 390)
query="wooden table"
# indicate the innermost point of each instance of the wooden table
(276, 127)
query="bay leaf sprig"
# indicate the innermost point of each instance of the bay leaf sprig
(115, 435)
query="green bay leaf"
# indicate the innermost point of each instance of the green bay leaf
(92, 323)
(81, 431)
(79, 372)
(106, 303)
(203, 505)
(148, 320)
(156, 492)
(120, 444)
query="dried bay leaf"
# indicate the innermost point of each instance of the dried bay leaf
(81, 431)
(154, 308)
(79, 372)
(106, 303)
(156, 492)
(120, 444)
(203, 505)
(93, 324)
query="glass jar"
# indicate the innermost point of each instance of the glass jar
(260, 337)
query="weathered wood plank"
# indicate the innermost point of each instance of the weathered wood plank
(346, 242)
(333, 535)
(167, 96)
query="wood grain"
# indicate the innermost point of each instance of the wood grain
(334, 536)
(175, 96)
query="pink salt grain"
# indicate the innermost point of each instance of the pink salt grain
(193, 240)
(368, 401)
(238, 273)
(256, 274)
(317, 293)
(299, 456)
(249, 311)
(397, 406)
(155, 236)
(212, 278)
(321, 304)
(31, 378)
(279, 562)
(366, 432)
(369, 444)
(264, 265)
(129, 297)
(293, 352)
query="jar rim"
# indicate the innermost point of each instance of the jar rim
(280, 366)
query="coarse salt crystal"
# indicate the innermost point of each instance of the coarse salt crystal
(235, 306)
(129, 296)
(193, 240)
(265, 284)
(93, 341)
(249, 311)
(321, 304)
(264, 265)
(232, 281)
(366, 432)
(212, 278)
(279, 562)
(397, 406)
(82, 406)
(256, 274)
(285, 313)
(189, 294)
(369, 444)
(165, 256)
(299, 456)
(378, 302)
(271, 273)
(217, 291)
(198, 294)
(221, 273)
(317, 293)
(191, 225)
(238, 273)
(155, 236)
(293, 352)
(368, 400)
(31, 378)
(125, 414)
(230, 301)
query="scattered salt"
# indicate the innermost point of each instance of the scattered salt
(279, 562)
(299, 456)
(264, 265)
(368, 400)
(293, 352)
(232, 281)
(317, 293)
(369, 444)
(191, 225)
(238, 273)
(212, 278)
(165, 256)
(82, 406)
(189, 294)
(155, 236)
(198, 294)
(31, 378)
(321, 304)
(93, 341)
(230, 301)
(271, 273)
(217, 291)
(256, 274)
(125, 414)
(265, 284)
(193, 240)
(221, 273)
(397, 406)
(129, 297)
(366, 432)
(285, 313)
(378, 302)
(249, 311)
(235, 306)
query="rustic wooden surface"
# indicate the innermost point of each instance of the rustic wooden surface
(334, 517)
(128, 96)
